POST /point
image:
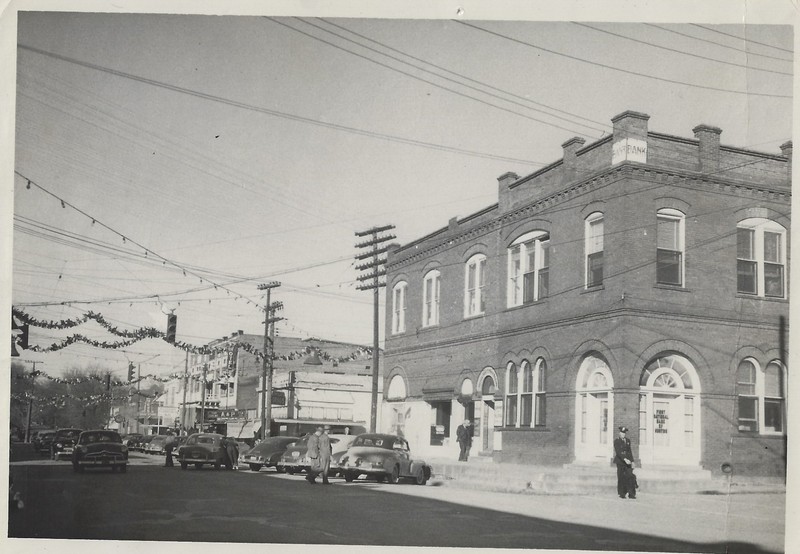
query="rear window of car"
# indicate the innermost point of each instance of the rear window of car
(372, 441)
(88, 438)
(205, 440)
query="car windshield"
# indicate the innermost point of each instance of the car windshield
(100, 436)
(68, 433)
(205, 440)
(380, 442)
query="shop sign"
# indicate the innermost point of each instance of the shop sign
(629, 149)
(232, 413)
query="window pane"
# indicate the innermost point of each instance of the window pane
(471, 269)
(746, 378)
(527, 410)
(527, 378)
(773, 415)
(530, 256)
(594, 276)
(545, 261)
(512, 384)
(542, 376)
(745, 244)
(511, 411)
(773, 385)
(772, 247)
(747, 413)
(527, 288)
(773, 280)
(595, 243)
(544, 283)
(540, 409)
(668, 233)
(668, 267)
(746, 276)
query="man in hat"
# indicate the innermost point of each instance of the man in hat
(623, 457)
(313, 453)
(464, 439)
(325, 450)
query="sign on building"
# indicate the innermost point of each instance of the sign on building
(630, 150)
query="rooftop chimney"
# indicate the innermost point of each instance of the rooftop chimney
(630, 137)
(786, 150)
(570, 158)
(708, 153)
(507, 178)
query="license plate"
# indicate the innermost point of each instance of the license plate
(295, 454)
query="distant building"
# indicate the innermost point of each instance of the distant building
(641, 280)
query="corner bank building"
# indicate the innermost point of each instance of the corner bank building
(641, 280)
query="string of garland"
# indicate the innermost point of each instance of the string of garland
(97, 378)
(60, 400)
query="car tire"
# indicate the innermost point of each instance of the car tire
(421, 477)
(184, 465)
(393, 476)
(255, 467)
(349, 476)
(380, 478)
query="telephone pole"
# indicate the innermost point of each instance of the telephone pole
(266, 358)
(203, 400)
(378, 269)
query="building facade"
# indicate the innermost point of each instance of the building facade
(641, 280)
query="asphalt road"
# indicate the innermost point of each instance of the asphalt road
(152, 503)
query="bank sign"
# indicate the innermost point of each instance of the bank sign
(629, 150)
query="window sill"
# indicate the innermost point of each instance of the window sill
(474, 316)
(427, 328)
(595, 288)
(676, 288)
(762, 435)
(745, 296)
(528, 305)
(537, 429)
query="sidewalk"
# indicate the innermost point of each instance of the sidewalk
(483, 474)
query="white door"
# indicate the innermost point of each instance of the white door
(594, 409)
(487, 426)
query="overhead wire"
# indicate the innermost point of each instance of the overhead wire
(743, 39)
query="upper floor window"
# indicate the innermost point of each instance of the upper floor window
(430, 295)
(529, 268)
(760, 397)
(399, 307)
(670, 248)
(593, 231)
(474, 280)
(760, 257)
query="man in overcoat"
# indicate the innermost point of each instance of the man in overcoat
(623, 457)
(325, 453)
(313, 455)
(464, 438)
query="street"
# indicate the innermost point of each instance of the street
(152, 503)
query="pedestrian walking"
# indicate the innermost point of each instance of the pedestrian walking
(623, 457)
(325, 450)
(169, 446)
(231, 452)
(464, 438)
(315, 467)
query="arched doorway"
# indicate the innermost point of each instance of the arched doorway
(594, 410)
(488, 388)
(669, 411)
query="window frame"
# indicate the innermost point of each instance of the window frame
(399, 311)
(759, 228)
(677, 216)
(759, 398)
(591, 241)
(432, 281)
(511, 396)
(519, 250)
(475, 298)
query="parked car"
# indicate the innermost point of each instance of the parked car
(42, 442)
(181, 441)
(384, 457)
(100, 448)
(201, 449)
(132, 440)
(156, 445)
(267, 453)
(142, 444)
(63, 443)
(291, 461)
(340, 444)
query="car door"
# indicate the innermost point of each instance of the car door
(400, 448)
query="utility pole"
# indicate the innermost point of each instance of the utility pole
(378, 269)
(275, 306)
(203, 399)
(30, 407)
(138, 395)
(185, 386)
(264, 360)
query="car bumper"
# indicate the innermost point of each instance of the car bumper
(102, 462)
(66, 453)
(364, 470)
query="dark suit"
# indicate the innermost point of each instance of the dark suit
(625, 479)
(464, 438)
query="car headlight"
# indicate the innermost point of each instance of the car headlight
(58, 445)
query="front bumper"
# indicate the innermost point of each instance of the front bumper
(102, 462)
(63, 453)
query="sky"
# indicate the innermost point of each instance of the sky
(230, 151)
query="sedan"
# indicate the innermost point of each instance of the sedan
(267, 453)
(156, 445)
(203, 448)
(63, 443)
(100, 448)
(340, 444)
(292, 460)
(384, 457)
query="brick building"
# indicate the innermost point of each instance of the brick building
(641, 280)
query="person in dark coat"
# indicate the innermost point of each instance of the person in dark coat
(315, 467)
(623, 458)
(325, 450)
(169, 446)
(464, 438)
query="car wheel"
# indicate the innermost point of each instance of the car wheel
(255, 467)
(349, 476)
(394, 475)
(280, 469)
(421, 477)
(290, 470)
(123, 469)
(198, 466)
(184, 465)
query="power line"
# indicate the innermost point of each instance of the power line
(741, 51)
(275, 113)
(679, 51)
(518, 41)
(743, 39)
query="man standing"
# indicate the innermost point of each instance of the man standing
(169, 446)
(325, 453)
(313, 455)
(623, 457)
(464, 438)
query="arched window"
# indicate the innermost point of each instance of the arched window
(430, 297)
(540, 382)
(528, 268)
(397, 389)
(512, 392)
(760, 258)
(526, 395)
(593, 233)
(670, 249)
(399, 307)
(761, 397)
(474, 280)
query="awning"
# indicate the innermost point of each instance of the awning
(242, 430)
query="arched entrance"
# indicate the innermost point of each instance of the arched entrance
(488, 388)
(594, 410)
(669, 411)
